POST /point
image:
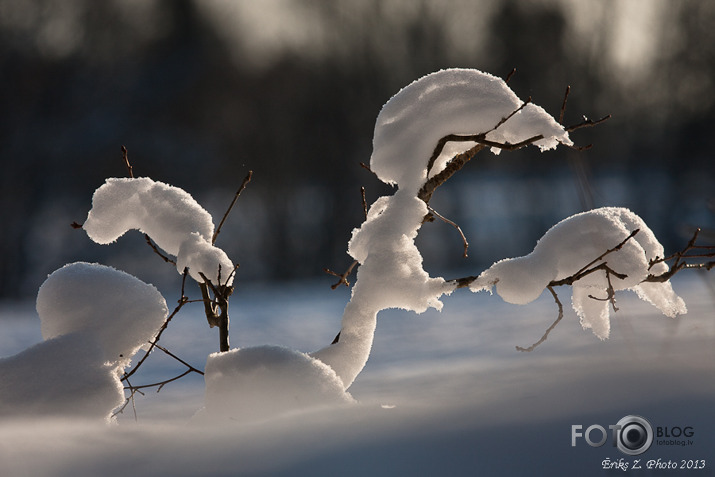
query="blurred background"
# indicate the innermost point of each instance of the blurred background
(200, 92)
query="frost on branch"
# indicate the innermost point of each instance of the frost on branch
(94, 318)
(167, 214)
(569, 245)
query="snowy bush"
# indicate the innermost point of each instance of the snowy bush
(560, 253)
(94, 318)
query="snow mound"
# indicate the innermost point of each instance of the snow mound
(168, 214)
(263, 382)
(93, 319)
(119, 312)
(63, 376)
(451, 101)
(570, 245)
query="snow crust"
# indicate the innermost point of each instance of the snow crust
(451, 101)
(94, 318)
(168, 214)
(569, 246)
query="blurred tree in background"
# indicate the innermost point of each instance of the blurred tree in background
(202, 91)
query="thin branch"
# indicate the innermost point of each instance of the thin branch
(481, 138)
(243, 185)
(191, 368)
(563, 105)
(447, 221)
(508, 77)
(681, 256)
(511, 115)
(157, 251)
(587, 123)
(610, 291)
(125, 156)
(550, 328)
(159, 384)
(126, 403)
(364, 202)
(182, 301)
(342, 276)
(367, 168)
(452, 167)
(589, 268)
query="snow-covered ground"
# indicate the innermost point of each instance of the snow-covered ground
(444, 393)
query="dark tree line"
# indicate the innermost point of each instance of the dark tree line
(192, 115)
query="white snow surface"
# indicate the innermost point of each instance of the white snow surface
(572, 244)
(443, 392)
(93, 320)
(451, 101)
(168, 214)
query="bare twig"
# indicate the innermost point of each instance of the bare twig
(125, 156)
(159, 384)
(364, 201)
(610, 291)
(480, 138)
(680, 257)
(191, 368)
(366, 167)
(508, 77)
(157, 251)
(587, 123)
(243, 185)
(452, 167)
(152, 344)
(342, 276)
(510, 115)
(550, 328)
(447, 221)
(589, 267)
(563, 105)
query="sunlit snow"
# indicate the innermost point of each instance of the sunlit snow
(574, 243)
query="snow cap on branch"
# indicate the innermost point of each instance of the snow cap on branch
(452, 101)
(568, 246)
(167, 214)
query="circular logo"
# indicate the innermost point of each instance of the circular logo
(634, 436)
